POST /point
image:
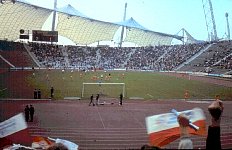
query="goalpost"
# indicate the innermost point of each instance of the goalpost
(104, 89)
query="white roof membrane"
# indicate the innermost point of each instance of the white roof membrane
(20, 16)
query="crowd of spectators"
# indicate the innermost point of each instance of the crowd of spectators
(114, 57)
(48, 55)
(223, 57)
(226, 63)
(145, 57)
(82, 56)
(218, 52)
(178, 54)
(157, 58)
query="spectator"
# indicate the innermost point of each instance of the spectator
(27, 111)
(185, 141)
(148, 147)
(91, 100)
(32, 111)
(213, 140)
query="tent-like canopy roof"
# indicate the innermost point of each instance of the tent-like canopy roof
(145, 38)
(69, 10)
(131, 23)
(74, 25)
(81, 29)
(138, 34)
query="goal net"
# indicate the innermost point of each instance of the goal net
(112, 90)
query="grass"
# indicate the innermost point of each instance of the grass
(145, 85)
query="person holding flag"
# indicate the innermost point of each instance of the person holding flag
(185, 141)
(164, 128)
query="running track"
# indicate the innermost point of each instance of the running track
(107, 126)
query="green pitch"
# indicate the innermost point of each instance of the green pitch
(145, 85)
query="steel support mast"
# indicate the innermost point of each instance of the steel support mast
(122, 32)
(209, 19)
(228, 26)
(54, 16)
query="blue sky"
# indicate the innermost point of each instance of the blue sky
(167, 16)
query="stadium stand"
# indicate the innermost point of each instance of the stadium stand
(202, 57)
(15, 54)
(215, 59)
(81, 57)
(154, 53)
(48, 55)
(158, 58)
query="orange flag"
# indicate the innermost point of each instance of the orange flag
(41, 143)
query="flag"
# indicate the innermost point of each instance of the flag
(12, 125)
(14, 129)
(164, 128)
(70, 145)
(16, 147)
(41, 142)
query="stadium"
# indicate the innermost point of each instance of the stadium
(107, 58)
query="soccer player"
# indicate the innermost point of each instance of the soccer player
(52, 92)
(121, 96)
(91, 100)
(97, 99)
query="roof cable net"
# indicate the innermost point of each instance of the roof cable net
(85, 31)
(20, 16)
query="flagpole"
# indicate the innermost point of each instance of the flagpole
(190, 123)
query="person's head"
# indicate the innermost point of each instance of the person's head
(216, 109)
(217, 97)
(148, 147)
(183, 120)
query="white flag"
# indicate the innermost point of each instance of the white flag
(68, 144)
(12, 125)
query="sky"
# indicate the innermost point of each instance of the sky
(166, 16)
